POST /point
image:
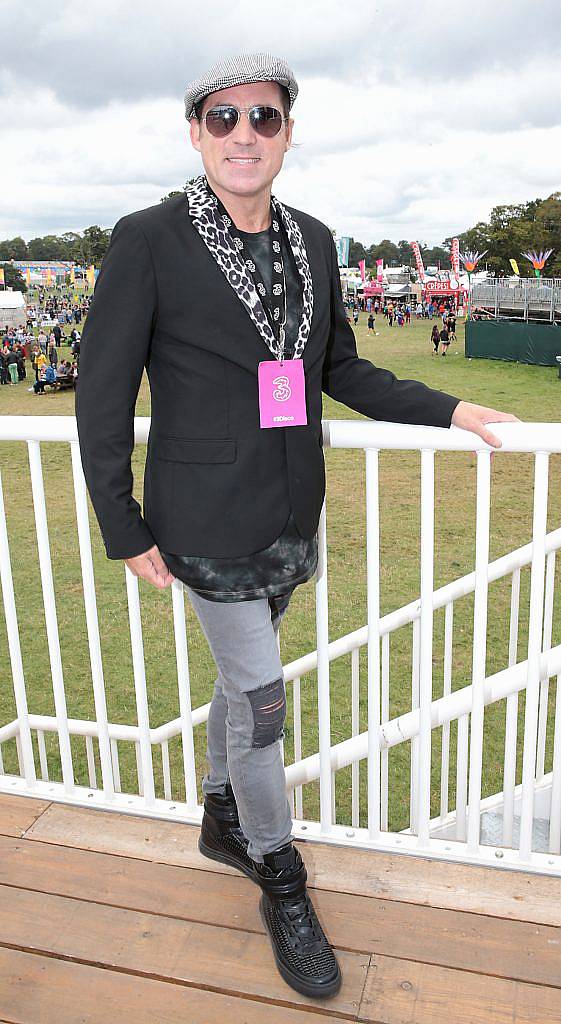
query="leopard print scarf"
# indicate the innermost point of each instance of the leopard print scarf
(214, 233)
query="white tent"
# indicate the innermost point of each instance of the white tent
(13, 311)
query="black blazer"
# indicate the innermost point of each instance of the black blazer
(215, 483)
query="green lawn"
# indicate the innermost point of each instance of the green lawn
(531, 392)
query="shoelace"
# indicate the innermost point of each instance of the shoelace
(300, 915)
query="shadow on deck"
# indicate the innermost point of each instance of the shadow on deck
(109, 918)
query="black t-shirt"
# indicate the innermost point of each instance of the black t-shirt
(258, 244)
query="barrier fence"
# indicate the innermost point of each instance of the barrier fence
(40, 753)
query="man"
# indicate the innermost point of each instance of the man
(232, 302)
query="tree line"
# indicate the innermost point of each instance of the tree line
(510, 230)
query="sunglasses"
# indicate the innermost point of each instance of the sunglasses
(266, 121)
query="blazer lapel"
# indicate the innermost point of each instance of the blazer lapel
(216, 236)
(214, 232)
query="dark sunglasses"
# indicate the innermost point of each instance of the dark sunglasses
(266, 121)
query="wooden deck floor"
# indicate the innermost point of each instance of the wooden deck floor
(107, 918)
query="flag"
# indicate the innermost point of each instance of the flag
(379, 271)
(72, 276)
(418, 260)
(362, 268)
(27, 276)
(49, 277)
(90, 275)
(2, 279)
(455, 257)
(514, 266)
(343, 246)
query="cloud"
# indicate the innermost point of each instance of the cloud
(410, 122)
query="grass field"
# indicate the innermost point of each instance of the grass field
(532, 392)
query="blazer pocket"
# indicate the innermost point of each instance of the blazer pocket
(207, 450)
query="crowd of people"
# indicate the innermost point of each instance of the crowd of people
(400, 313)
(49, 316)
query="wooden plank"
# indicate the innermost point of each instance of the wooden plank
(39, 990)
(362, 924)
(517, 895)
(398, 992)
(18, 813)
(207, 956)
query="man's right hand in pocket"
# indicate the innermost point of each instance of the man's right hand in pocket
(151, 567)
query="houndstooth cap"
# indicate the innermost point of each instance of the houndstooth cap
(246, 67)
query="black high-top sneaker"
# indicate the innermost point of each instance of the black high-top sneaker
(302, 951)
(221, 836)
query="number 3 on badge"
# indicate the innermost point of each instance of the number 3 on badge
(282, 395)
(281, 392)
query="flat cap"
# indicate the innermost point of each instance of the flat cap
(246, 67)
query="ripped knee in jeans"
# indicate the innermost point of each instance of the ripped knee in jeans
(268, 704)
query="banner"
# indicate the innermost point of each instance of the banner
(362, 268)
(90, 276)
(72, 276)
(48, 277)
(2, 280)
(418, 260)
(28, 276)
(379, 271)
(514, 266)
(343, 246)
(455, 257)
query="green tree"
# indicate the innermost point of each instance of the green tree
(356, 252)
(13, 249)
(386, 251)
(13, 278)
(178, 192)
(93, 245)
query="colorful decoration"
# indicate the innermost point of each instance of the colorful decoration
(455, 257)
(470, 258)
(537, 259)
(418, 260)
(514, 266)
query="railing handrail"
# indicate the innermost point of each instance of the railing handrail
(515, 437)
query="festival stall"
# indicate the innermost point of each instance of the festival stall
(446, 289)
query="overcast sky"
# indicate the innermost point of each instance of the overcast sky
(413, 119)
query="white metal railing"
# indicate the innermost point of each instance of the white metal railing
(454, 833)
(528, 298)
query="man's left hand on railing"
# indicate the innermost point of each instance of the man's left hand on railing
(476, 417)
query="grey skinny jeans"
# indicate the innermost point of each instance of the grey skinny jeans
(247, 715)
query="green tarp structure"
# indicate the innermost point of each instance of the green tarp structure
(517, 342)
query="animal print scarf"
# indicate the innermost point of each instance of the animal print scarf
(214, 233)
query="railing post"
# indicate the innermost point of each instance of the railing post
(324, 709)
(534, 650)
(479, 647)
(92, 624)
(14, 647)
(184, 690)
(53, 639)
(425, 675)
(146, 773)
(373, 613)
(511, 723)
